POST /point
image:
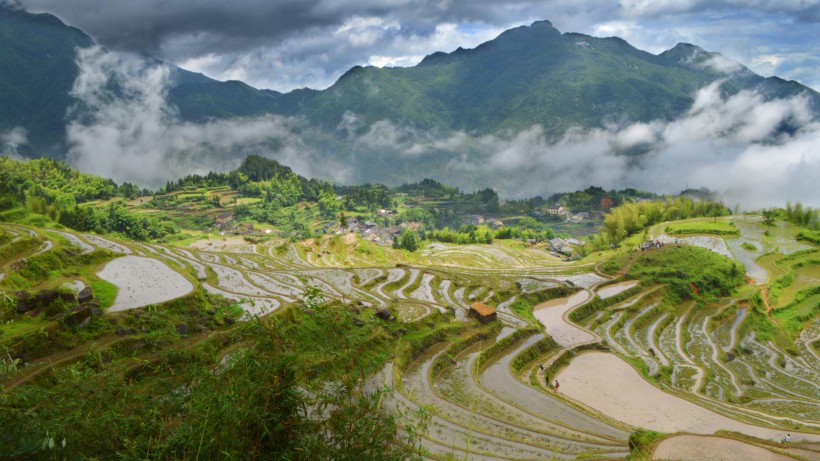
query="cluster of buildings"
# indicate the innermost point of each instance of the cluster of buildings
(478, 220)
(226, 224)
(563, 246)
(558, 210)
(372, 231)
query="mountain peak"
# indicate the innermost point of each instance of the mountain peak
(543, 23)
(693, 56)
(537, 31)
(685, 53)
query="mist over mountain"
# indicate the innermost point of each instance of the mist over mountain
(531, 112)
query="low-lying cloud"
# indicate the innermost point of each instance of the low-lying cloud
(125, 129)
(755, 152)
(11, 140)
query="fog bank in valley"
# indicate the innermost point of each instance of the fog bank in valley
(753, 152)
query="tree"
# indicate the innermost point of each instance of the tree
(769, 217)
(409, 240)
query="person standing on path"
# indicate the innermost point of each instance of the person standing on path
(555, 389)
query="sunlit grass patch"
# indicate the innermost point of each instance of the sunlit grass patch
(703, 227)
(105, 292)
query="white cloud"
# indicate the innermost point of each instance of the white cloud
(131, 133)
(754, 152)
(11, 140)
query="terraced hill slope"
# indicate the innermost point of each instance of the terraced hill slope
(576, 363)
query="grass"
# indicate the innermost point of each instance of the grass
(105, 292)
(22, 326)
(702, 227)
(748, 246)
(812, 236)
(691, 272)
(803, 309)
(800, 279)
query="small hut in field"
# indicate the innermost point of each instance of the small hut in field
(482, 312)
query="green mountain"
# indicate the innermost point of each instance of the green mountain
(38, 71)
(38, 68)
(529, 75)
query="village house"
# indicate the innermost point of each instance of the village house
(482, 312)
(561, 246)
(224, 221)
(555, 210)
(244, 229)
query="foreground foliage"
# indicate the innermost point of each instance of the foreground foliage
(291, 388)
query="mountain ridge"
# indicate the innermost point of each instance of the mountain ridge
(529, 77)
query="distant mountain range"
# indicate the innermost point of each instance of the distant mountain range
(530, 75)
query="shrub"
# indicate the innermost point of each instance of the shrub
(641, 441)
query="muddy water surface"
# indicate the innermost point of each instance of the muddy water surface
(615, 289)
(551, 315)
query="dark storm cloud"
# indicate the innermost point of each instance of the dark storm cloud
(143, 25)
(285, 44)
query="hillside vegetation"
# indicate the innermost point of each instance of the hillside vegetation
(311, 341)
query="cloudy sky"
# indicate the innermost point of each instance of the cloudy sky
(287, 44)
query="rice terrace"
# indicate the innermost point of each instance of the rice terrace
(685, 335)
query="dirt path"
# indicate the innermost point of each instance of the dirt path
(42, 365)
(764, 293)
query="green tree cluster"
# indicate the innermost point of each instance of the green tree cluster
(408, 240)
(631, 218)
(116, 218)
(802, 216)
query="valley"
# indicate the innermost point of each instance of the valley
(628, 356)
